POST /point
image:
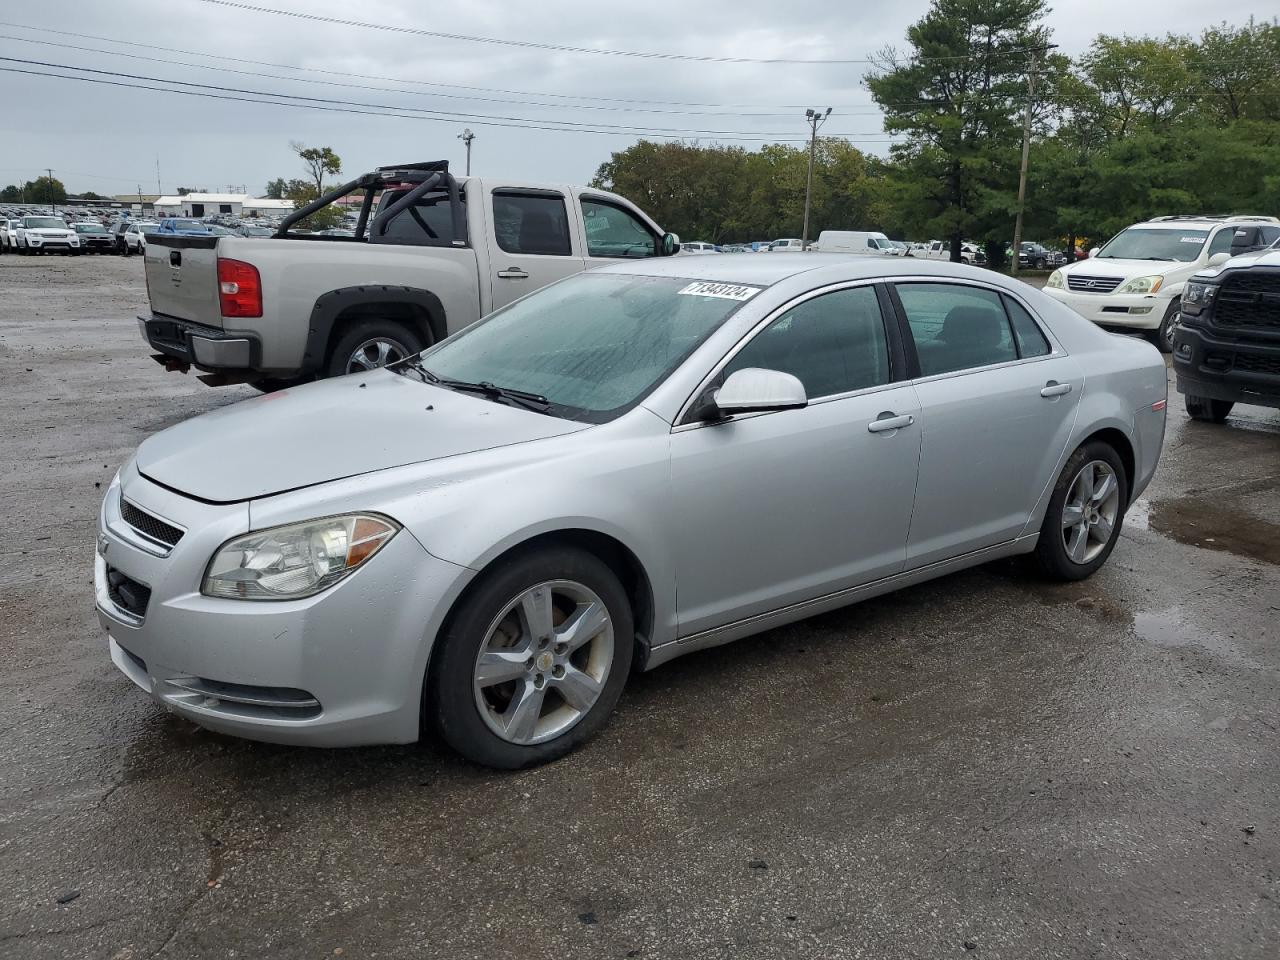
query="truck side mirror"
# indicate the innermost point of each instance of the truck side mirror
(669, 245)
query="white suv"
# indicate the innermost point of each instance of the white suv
(1136, 279)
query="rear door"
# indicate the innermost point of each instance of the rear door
(997, 405)
(531, 243)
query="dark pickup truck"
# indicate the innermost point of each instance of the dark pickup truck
(1226, 347)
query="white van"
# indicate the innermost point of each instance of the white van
(855, 241)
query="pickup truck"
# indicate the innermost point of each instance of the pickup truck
(430, 254)
(1226, 344)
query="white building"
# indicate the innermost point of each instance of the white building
(229, 204)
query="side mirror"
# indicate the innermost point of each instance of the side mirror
(669, 245)
(753, 390)
(1218, 259)
(1094, 251)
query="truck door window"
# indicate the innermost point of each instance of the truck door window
(615, 232)
(531, 224)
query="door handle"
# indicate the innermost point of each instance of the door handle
(513, 273)
(1055, 389)
(890, 421)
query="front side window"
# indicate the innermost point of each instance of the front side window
(834, 343)
(531, 224)
(615, 232)
(594, 345)
(1221, 242)
(956, 327)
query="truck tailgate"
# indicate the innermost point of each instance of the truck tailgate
(182, 278)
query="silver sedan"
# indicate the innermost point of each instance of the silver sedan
(634, 463)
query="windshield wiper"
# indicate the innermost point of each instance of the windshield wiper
(491, 391)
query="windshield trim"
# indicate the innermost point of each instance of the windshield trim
(564, 411)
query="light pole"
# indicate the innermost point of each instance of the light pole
(815, 118)
(53, 204)
(1026, 156)
(466, 136)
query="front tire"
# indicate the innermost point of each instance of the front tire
(1162, 336)
(1085, 513)
(533, 661)
(1207, 409)
(369, 344)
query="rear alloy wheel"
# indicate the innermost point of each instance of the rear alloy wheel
(1163, 335)
(1085, 513)
(370, 344)
(1207, 409)
(533, 661)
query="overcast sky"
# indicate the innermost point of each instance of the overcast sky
(108, 138)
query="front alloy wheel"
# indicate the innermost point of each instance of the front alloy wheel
(544, 663)
(532, 660)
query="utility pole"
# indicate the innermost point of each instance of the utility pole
(816, 118)
(1026, 156)
(53, 204)
(466, 137)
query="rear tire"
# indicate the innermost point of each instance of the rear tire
(369, 344)
(1069, 514)
(454, 690)
(1207, 409)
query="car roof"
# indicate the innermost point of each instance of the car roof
(755, 270)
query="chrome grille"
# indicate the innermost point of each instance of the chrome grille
(1082, 284)
(149, 525)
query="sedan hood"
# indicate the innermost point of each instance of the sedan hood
(329, 430)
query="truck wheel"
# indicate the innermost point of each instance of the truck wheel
(1162, 336)
(369, 344)
(1208, 410)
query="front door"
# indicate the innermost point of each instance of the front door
(997, 407)
(776, 508)
(530, 241)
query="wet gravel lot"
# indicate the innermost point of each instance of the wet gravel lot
(987, 765)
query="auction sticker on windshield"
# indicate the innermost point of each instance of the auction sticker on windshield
(724, 291)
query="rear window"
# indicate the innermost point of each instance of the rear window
(429, 222)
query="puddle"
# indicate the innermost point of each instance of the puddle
(1198, 522)
(1170, 628)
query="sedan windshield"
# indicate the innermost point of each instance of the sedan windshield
(594, 345)
(1144, 243)
(45, 223)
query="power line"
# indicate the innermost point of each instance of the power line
(151, 58)
(399, 116)
(435, 114)
(404, 80)
(528, 44)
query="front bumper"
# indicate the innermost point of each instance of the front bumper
(207, 347)
(1220, 367)
(342, 668)
(45, 243)
(1137, 311)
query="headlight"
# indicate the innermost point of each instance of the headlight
(295, 561)
(1199, 291)
(1142, 285)
(1055, 280)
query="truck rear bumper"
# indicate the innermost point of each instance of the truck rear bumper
(1226, 369)
(205, 347)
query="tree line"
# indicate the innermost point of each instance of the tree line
(1134, 127)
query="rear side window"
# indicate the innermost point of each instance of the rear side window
(956, 327)
(1030, 341)
(531, 224)
(429, 222)
(834, 343)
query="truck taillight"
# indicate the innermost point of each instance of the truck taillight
(239, 288)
